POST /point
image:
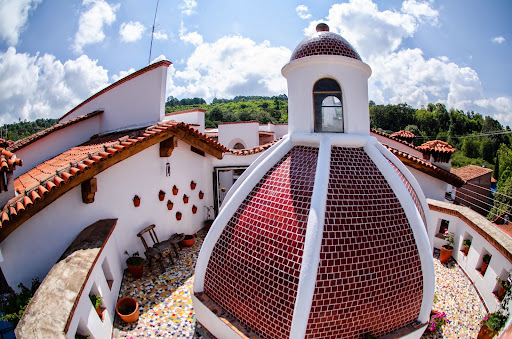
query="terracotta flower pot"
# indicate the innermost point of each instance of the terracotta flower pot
(100, 312)
(466, 251)
(188, 241)
(486, 333)
(169, 205)
(136, 271)
(445, 255)
(161, 195)
(201, 195)
(185, 199)
(501, 292)
(136, 201)
(193, 185)
(483, 268)
(208, 224)
(174, 190)
(178, 215)
(128, 309)
(194, 209)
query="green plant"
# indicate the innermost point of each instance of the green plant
(96, 300)
(437, 320)
(504, 283)
(134, 260)
(436, 298)
(15, 303)
(467, 243)
(449, 236)
(487, 258)
(82, 336)
(494, 321)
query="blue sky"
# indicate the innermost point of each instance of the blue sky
(54, 54)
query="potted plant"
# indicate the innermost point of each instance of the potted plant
(209, 214)
(136, 201)
(437, 320)
(447, 249)
(193, 185)
(485, 262)
(128, 309)
(491, 325)
(14, 304)
(467, 245)
(504, 287)
(169, 205)
(178, 215)
(185, 198)
(135, 265)
(194, 209)
(223, 189)
(174, 190)
(96, 302)
(188, 241)
(201, 195)
(161, 195)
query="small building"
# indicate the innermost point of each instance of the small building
(476, 192)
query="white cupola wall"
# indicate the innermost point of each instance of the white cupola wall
(303, 72)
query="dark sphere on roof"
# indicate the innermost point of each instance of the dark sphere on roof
(324, 42)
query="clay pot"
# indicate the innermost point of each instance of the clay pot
(486, 333)
(445, 255)
(501, 292)
(466, 251)
(483, 268)
(194, 209)
(188, 241)
(100, 312)
(178, 215)
(128, 309)
(136, 271)
(208, 224)
(169, 205)
(136, 201)
(161, 195)
(174, 190)
(201, 195)
(185, 199)
(193, 185)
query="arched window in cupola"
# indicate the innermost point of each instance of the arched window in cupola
(328, 106)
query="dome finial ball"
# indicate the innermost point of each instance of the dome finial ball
(322, 27)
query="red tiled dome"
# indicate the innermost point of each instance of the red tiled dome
(324, 43)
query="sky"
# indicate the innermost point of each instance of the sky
(56, 53)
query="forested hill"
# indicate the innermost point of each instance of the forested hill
(23, 129)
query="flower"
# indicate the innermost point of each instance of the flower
(494, 321)
(437, 320)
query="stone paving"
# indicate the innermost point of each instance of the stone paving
(166, 306)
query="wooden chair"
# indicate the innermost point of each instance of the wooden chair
(159, 250)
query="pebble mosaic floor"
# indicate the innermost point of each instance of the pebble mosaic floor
(166, 306)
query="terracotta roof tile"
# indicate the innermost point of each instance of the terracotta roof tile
(19, 144)
(403, 134)
(427, 167)
(34, 185)
(8, 161)
(437, 146)
(470, 172)
(373, 130)
(254, 150)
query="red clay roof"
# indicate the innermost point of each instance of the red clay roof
(36, 184)
(146, 69)
(8, 161)
(471, 171)
(437, 146)
(427, 167)
(254, 150)
(373, 130)
(403, 134)
(19, 144)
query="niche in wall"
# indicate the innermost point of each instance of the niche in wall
(108, 274)
(466, 240)
(442, 228)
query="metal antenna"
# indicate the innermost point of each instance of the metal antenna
(153, 33)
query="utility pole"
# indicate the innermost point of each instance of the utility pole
(153, 33)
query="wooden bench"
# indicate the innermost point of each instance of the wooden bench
(160, 249)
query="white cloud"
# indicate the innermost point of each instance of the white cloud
(420, 10)
(160, 35)
(122, 74)
(90, 25)
(131, 31)
(193, 38)
(188, 6)
(498, 40)
(302, 11)
(230, 66)
(37, 86)
(13, 17)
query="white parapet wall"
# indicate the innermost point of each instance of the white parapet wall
(486, 238)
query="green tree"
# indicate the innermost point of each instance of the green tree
(471, 147)
(502, 201)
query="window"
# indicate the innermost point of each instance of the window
(328, 106)
(238, 145)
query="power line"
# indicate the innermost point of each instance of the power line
(483, 201)
(488, 189)
(464, 136)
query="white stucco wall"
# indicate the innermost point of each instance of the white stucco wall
(193, 118)
(433, 188)
(32, 249)
(244, 132)
(498, 266)
(134, 103)
(351, 74)
(56, 143)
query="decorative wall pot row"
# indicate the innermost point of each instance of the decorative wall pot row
(178, 215)
(169, 205)
(193, 185)
(174, 190)
(201, 195)
(136, 201)
(185, 198)
(161, 195)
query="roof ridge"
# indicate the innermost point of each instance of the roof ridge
(384, 134)
(256, 149)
